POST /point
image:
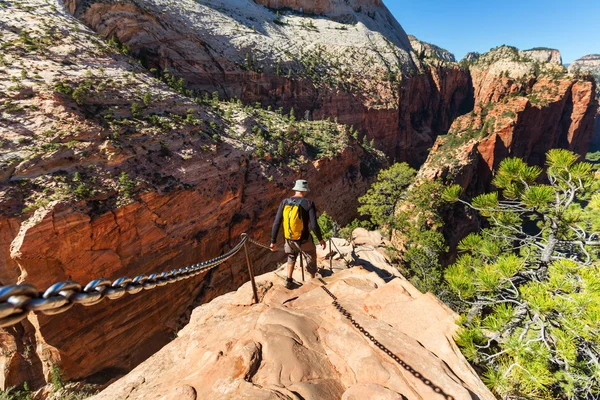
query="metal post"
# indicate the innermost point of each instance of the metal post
(251, 272)
(330, 255)
(302, 264)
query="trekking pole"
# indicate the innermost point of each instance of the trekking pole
(302, 264)
(251, 272)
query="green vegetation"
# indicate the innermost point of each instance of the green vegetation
(382, 199)
(13, 393)
(413, 214)
(281, 138)
(127, 185)
(329, 227)
(56, 377)
(530, 283)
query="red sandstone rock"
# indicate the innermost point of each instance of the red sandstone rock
(193, 196)
(403, 118)
(295, 344)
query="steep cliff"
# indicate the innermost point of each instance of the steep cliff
(590, 64)
(543, 54)
(359, 68)
(523, 108)
(108, 172)
(294, 344)
(427, 50)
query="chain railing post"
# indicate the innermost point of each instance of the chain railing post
(330, 254)
(302, 264)
(251, 272)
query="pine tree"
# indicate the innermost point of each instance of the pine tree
(531, 281)
(382, 198)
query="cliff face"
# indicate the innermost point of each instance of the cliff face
(523, 108)
(323, 7)
(294, 344)
(109, 172)
(543, 55)
(428, 50)
(359, 68)
(590, 64)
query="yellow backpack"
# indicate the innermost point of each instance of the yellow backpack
(293, 224)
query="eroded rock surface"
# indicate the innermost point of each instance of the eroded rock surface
(428, 50)
(523, 108)
(114, 173)
(296, 345)
(590, 64)
(360, 68)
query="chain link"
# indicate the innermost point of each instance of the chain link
(16, 301)
(259, 244)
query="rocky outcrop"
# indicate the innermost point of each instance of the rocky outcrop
(544, 55)
(357, 69)
(428, 50)
(323, 7)
(471, 57)
(294, 344)
(590, 63)
(522, 109)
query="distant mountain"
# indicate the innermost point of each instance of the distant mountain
(428, 50)
(589, 63)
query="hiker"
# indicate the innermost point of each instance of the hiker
(299, 217)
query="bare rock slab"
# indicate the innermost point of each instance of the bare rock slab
(297, 345)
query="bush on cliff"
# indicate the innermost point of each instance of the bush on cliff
(530, 282)
(382, 199)
(413, 214)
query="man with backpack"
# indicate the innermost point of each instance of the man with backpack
(299, 217)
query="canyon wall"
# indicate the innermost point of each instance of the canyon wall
(360, 70)
(523, 108)
(110, 172)
(590, 64)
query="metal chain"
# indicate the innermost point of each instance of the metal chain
(16, 301)
(259, 244)
(382, 347)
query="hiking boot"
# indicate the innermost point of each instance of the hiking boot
(289, 283)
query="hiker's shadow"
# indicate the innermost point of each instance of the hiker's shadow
(325, 272)
(382, 273)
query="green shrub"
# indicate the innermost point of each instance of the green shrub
(329, 227)
(126, 185)
(56, 377)
(136, 110)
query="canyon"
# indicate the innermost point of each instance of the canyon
(147, 136)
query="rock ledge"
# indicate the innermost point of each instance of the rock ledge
(296, 345)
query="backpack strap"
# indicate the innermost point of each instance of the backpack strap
(299, 201)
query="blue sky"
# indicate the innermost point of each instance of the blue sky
(572, 26)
